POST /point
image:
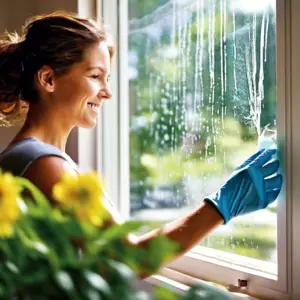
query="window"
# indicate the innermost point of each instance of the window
(202, 90)
(201, 85)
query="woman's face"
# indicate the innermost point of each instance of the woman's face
(78, 95)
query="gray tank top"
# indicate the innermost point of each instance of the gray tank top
(18, 157)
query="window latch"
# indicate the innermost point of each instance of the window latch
(241, 287)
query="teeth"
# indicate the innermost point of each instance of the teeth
(93, 105)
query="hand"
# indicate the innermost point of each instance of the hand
(249, 188)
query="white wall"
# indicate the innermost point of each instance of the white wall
(13, 14)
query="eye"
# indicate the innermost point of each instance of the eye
(95, 76)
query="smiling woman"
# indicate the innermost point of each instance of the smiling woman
(70, 47)
(60, 66)
(56, 83)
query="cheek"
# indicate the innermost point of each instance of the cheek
(67, 91)
(76, 94)
(85, 92)
(92, 87)
(87, 89)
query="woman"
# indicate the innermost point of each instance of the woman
(60, 66)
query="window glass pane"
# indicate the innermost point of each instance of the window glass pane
(202, 99)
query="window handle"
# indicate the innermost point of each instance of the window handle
(241, 287)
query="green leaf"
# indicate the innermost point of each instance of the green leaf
(206, 292)
(38, 250)
(40, 274)
(140, 295)
(12, 267)
(160, 249)
(72, 228)
(4, 247)
(65, 281)
(97, 282)
(120, 230)
(6, 282)
(38, 196)
(93, 295)
(120, 270)
(54, 237)
(6, 290)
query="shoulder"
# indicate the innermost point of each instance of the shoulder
(46, 171)
(41, 163)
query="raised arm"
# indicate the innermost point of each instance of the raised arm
(250, 188)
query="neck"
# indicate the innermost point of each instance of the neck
(47, 126)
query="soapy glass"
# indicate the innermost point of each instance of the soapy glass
(267, 139)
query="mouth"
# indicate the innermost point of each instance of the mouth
(93, 106)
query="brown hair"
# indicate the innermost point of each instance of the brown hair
(57, 40)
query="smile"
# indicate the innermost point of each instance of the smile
(93, 106)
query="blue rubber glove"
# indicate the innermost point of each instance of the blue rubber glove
(249, 188)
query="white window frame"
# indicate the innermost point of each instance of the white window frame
(198, 264)
(108, 151)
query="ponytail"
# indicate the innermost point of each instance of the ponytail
(10, 79)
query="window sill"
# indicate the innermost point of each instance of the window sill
(237, 262)
(179, 283)
(209, 266)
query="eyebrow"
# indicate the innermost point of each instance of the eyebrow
(98, 67)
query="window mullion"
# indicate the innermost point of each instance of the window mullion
(283, 136)
(109, 125)
(124, 104)
(294, 79)
(87, 156)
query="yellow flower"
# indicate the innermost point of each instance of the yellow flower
(83, 194)
(9, 206)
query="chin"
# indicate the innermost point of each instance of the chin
(88, 124)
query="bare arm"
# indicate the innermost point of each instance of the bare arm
(187, 231)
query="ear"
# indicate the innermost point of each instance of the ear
(45, 78)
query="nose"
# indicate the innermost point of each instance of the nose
(105, 93)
